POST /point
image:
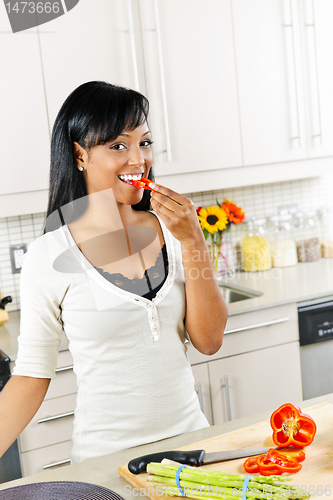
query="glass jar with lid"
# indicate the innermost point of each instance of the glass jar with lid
(325, 216)
(283, 245)
(307, 232)
(256, 254)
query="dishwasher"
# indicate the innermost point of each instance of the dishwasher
(315, 319)
(10, 464)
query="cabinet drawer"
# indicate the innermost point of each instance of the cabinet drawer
(65, 381)
(49, 457)
(254, 330)
(52, 424)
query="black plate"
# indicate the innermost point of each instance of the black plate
(59, 490)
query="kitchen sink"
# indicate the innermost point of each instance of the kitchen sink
(235, 294)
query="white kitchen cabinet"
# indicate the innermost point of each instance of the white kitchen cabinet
(240, 91)
(257, 381)
(195, 98)
(316, 20)
(285, 77)
(50, 457)
(90, 42)
(51, 424)
(46, 442)
(258, 366)
(24, 139)
(202, 388)
(269, 80)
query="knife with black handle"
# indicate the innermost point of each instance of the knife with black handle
(193, 457)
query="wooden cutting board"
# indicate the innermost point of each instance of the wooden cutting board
(316, 475)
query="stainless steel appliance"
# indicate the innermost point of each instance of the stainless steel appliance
(10, 465)
(315, 320)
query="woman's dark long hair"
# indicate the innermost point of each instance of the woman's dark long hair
(95, 113)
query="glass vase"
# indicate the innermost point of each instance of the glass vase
(220, 253)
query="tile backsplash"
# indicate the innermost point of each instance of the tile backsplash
(13, 231)
(259, 200)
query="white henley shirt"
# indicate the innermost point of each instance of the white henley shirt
(135, 383)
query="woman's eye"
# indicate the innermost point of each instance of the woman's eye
(146, 143)
(118, 147)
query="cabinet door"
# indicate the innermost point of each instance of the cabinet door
(24, 139)
(199, 85)
(90, 42)
(269, 80)
(202, 387)
(258, 381)
(317, 37)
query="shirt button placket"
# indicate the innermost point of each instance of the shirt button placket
(153, 321)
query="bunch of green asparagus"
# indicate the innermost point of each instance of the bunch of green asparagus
(205, 484)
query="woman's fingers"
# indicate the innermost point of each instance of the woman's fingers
(176, 211)
(168, 193)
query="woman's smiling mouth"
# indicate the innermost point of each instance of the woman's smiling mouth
(129, 177)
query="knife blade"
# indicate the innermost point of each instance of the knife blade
(193, 457)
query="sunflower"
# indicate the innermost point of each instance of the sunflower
(234, 213)
(213, 219)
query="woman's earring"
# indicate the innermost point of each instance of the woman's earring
(81, 169)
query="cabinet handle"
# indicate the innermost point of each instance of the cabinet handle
(55, 417)
(200, 396)
(258, 325)
(63, 369)
(313, 61)
(293, 87)
(162, 81)
(55, 464)
(132, 45)
(227, 396)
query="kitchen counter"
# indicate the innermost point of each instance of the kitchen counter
(305, 281)
(103, 471)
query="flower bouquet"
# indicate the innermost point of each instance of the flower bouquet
(215, 221)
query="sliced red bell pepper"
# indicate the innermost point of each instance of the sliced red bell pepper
(292, 427)
(265, 464)
(250, 465)
(300, 456)
(273, 463)
(282, 462)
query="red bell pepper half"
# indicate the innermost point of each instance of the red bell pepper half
(292, 427)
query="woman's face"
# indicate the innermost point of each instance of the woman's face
(129, 154)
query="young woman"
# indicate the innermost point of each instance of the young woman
(125, 283)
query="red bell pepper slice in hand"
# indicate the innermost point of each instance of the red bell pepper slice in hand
(141, 184)
(292, 427)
